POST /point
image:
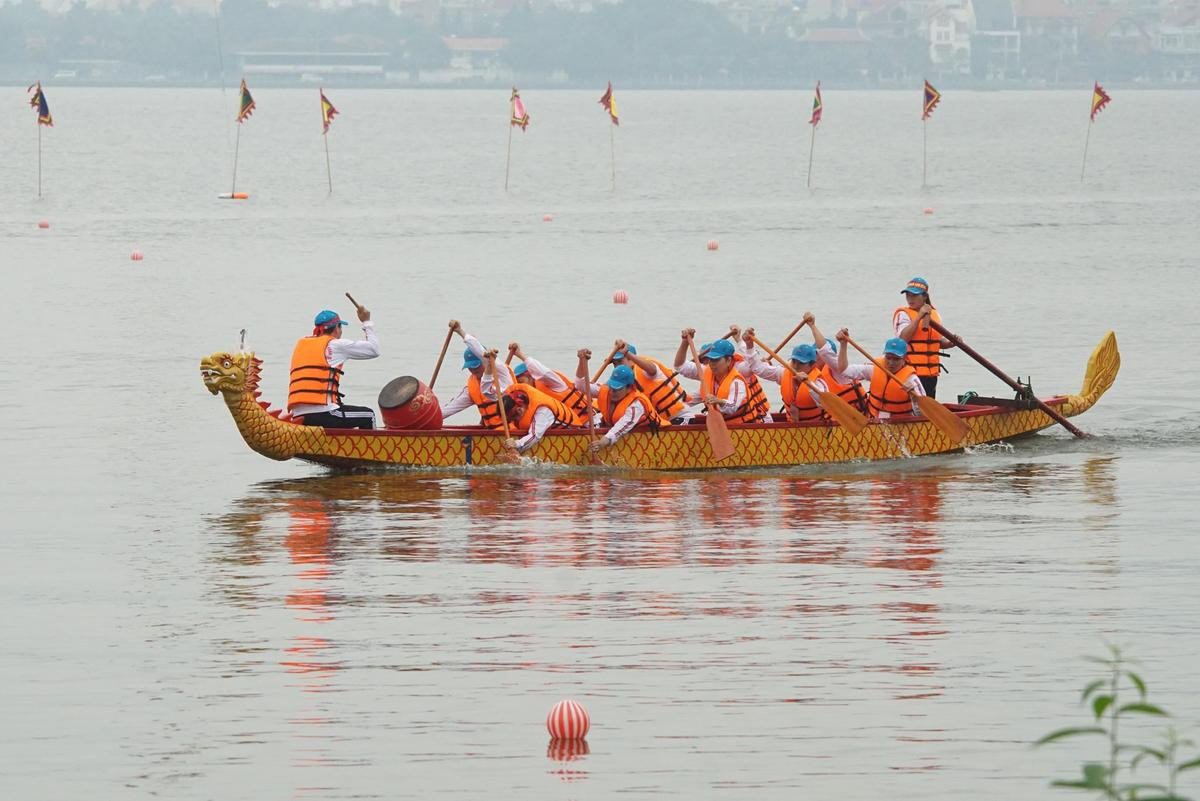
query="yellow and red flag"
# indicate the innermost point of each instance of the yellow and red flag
(610, 104)
(818, 107)
(247, 104)
(932, 98)
(1100, 99)
(328, 112)
(39, 104)
(520, 116)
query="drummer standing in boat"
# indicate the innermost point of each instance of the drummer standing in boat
(925, 345)
(480, 390)
(315, 388)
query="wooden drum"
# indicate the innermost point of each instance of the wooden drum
(406, 403)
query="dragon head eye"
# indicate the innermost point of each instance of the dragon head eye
(226, 363)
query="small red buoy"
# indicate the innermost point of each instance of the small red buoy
(712, 244)
(135, 255)
(43, 223)
(547, 218)
(929, 209)
(620, 296)
(568, 720)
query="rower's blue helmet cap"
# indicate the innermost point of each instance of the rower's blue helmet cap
(896, 347)
(805, 354)
(722, 348)
(622, 376)
(619, 355)
(470, 359)
(916, 286)
(520, 369)
(327, 318)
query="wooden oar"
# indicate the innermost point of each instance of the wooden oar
(950, 423)
(782, 344)
(490, 358)
(846, 415)
(591, 423)
(732, 333)
(1022, 391)
(437, 368)
(718, 433)
(511, 354)
(604, 364)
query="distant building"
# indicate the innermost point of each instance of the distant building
(996, 45)
(949, 34)
(312, 66)
(472, 60)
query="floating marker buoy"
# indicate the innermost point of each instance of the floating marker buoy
(547, 218)
(620, 296)
(568, 720)
(135, 255)
(929, 209)
(712, 244)
(43, 223)
(567, 750)
(234, 196)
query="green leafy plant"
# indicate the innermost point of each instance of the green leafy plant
(1110, 699)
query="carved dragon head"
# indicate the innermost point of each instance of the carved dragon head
(231, 373)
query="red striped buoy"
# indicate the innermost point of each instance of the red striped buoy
(620, 296)
(568, 720)
(135, 255)
(43, 223)
(713, 244)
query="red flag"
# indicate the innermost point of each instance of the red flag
(1100, 99)
(247, 103)
(932, 98)
(520, 116)
(39, 104)
(817, 107)
(328, 112)
(610, 104)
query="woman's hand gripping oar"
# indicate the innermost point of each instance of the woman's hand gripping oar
(718, 433)
(1022, 391)
(846, 415)
(445, 344)
(582, 374)
(949, 423)
(807, 320)
(511, 453)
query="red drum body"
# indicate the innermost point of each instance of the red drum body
(406, 403)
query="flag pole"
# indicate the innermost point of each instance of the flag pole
(328, 169)
(1086, 139)
(811, 146)
(508, 156)
(236, 144)
(612, 146)
(39, 129)
(924, 151)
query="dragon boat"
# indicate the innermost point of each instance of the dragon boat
(273, 434)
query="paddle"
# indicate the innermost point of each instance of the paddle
(846, 415)
(591, 423)
(490, 357)
(1022, 391)
(437, 369)
(606, 363)
(512, 351)
(718, 433)
(950, 424)
(783, 344)
(352, 300)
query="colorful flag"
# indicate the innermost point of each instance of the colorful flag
(247, 104)
(519, 115)
(1100, 99)
(932, 98)
(328, 112)
(817, 107)
(610, 104)
(38, 102)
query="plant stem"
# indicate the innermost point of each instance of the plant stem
(1113, 745)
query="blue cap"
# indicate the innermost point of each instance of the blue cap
(520, 369)
(328, 318)
(470, 359)
(619, 355)
(916, 286)
(622, 376)
(720, 348)
(832, 343)
(805, 354)
(896, 346)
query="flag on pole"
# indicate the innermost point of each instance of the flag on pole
(328, 112)
(1100, 99)
(817, 107)
(932, 98)
(38, 103)
(520, 117)
(247, 104)
(610, 104)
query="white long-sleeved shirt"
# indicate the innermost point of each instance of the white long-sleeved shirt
(863, 372)
(540, 372)
(543, 419)
(336, 353)
(775, 372)
(628, 420)
(486, 385)
(737, 388)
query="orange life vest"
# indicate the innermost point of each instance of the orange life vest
(667, 395)
(536, 399)
(758, 398)
(795, 393)
(612, 413)
(489, 410)
(851, 393)
(571, 397)
(887, 395)
(313, 379)
(747, 412)
(925, 347)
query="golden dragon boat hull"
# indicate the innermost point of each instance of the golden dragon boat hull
(236, 376)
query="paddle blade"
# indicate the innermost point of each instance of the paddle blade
(950, 423)
(718, 436)
(846, 415)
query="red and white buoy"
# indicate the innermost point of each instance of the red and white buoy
(547, 218)
(43, 223)
(135, 255)
(712, 244)
(929, 209)
(568, 720)
(620, 296)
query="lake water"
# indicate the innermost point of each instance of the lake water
(185, 619)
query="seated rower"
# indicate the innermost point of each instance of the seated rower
(622, 406)
(817, 361)
(887, 397)
(722, 383)
(555, 384)
(481, 389)
(652, 378)
(800, 400)
(314, 392)
(535, 412)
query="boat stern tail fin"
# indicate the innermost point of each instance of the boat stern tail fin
(1102, 369)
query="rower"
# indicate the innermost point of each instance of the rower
(535, 412)
(555, 384)
(480, 390)
(925, 345)
(658, 383)
(847, 389)
(887, 397)
(800, 399)
(622, 406)
(314, 391)
(721, 383)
